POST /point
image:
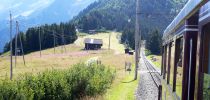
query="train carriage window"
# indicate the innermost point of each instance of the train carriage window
(179, 67)
(206, 64)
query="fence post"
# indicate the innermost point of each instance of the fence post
(160, 92)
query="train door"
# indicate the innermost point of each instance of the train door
(178, 67)
(206, 63)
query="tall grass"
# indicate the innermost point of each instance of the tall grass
(79, 81)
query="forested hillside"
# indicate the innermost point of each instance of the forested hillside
(120, 15)
(104, 15)
(63, 33)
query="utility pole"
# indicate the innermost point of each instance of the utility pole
(63, 40)
(109, 40)
(21, 43)
(16, 35)
(10, 46)
(54, 40)
(64, 44)
(137, 32)
(40, 44)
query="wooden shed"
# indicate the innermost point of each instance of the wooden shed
(93, 44)
(92, 31)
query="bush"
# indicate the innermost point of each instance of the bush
(147, 52)
(81, 80)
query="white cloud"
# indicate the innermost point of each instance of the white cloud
(38, 5)
(22, 7)
(17, 5)
(27, 13)
(41, 3)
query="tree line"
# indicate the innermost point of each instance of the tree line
(105, 14)
(153, 40)
(63, 33)
(120, 15)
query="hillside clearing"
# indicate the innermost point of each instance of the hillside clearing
(114, 58)
(114, 45)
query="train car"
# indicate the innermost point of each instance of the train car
(185, 69)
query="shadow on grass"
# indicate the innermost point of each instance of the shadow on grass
(129, 81)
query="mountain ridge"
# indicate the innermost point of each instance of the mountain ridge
(56, 12)
(120, 15)
(120, 11)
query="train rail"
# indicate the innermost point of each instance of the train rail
(155, 75)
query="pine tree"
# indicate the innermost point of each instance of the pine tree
(31, 38)
(154, 42)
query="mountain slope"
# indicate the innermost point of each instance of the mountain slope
(58, 11)
(120, 15)
(114, 14)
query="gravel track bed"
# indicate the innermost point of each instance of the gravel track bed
(147, 89)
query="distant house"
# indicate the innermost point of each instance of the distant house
(93, 44)
(92, 31)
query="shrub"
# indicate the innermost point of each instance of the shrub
(147, 52)
(81, 80)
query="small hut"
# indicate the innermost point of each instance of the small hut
(92, 31)
(93, 44)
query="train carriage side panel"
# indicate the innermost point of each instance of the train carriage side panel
(202, 84)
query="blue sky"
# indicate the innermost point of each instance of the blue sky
(27, 7)
(22, 7)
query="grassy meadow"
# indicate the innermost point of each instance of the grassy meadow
(114, 58)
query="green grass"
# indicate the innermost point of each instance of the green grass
(206, 85)
(124, 90)
(156, 63)
(80, 34)
(5, 54)
(115, 58)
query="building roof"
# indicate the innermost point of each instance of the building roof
(93, 41)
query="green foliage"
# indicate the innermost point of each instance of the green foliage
(206, 87)
(154, 42)
(31, 40)
(108, 14)
(79, 81)
(114, 14)
(128, 36)
(147, 52)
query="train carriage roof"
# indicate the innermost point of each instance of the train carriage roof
(189, 9)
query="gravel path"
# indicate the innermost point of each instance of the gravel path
(147, 89)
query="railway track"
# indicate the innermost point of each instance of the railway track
(155, 75)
